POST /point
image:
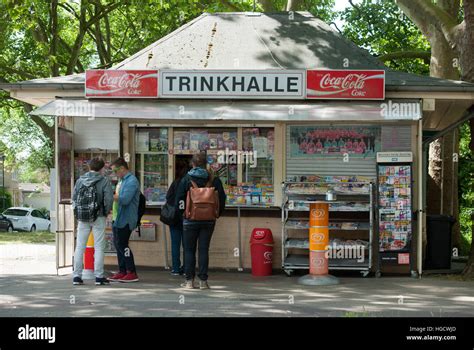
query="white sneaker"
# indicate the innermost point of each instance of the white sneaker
(188, 285)
(203, 285)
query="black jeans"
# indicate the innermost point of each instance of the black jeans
(192, 233)
(125, 259)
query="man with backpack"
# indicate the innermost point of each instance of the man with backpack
(200, 197)
(92, 202)
(125, 216)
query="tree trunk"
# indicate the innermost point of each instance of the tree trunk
(294, 5)
(267, 5)
(76, 48)
(442, 171)
(53, 50)
(451, 193)
(433, 189)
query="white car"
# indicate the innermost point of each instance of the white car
(27, 219)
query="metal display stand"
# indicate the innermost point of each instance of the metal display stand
(165, 244)
(297, 197)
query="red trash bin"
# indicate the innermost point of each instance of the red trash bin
(261, 251)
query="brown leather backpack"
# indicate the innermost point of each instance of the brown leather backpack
(202, 204)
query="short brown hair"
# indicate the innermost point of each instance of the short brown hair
(199, 160)
(96, 164)
(120, 162)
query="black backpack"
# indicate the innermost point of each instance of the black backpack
(169, 214)
(141, 210)
(86, 206)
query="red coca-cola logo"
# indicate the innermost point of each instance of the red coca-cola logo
(350, 81)
(122, 83)
(346, 84)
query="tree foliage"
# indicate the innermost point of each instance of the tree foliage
(382, 29)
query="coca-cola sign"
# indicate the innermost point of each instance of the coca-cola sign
(345, 84)
(122, 83)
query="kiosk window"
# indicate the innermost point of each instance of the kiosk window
(152, 163)
(254, 157)
(213, 141)
(257, 178)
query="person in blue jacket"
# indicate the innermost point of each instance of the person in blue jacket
(197, 231)
(124, 220)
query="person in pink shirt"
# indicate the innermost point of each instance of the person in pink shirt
(362, 145)
(355, 145)
(311, 149)
(359, 149)
(303, 145)
(319, 146)
(349, 144)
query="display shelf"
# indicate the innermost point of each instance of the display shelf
(335, 226)
(297, 243)
(352, 197)
(300, 261)
(342, 264)
(395, 214)
(296, 261)
(303, 243)
(244, 206)
(333, 207)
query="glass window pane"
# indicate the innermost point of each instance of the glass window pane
(257, 177)
(227, 173)
(15, 212)
(155, 177)
(151, 146)
(194, 140)
(151, 140)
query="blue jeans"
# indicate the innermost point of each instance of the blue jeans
(192, 233)
(125, 259)
(176, 233)
(83, 231)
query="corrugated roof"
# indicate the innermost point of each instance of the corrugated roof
(258, 41)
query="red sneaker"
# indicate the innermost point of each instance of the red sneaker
(117, 277)
(129, 277)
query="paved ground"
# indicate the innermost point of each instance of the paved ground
(235, 294)
(232, 293)
(26, 259)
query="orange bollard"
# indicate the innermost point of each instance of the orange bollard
(88, 272)
(318, 238)
(318, 263)
(319, 214)
(318, 246)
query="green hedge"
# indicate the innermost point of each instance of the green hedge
(8, 200)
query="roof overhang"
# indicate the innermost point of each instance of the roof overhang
(261, 111)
